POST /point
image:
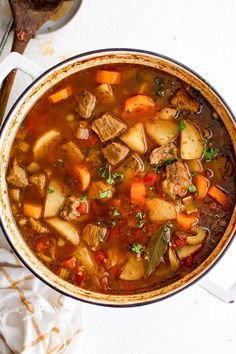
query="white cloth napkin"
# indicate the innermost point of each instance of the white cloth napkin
(34, 319)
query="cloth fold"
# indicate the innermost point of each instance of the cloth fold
(34, 319)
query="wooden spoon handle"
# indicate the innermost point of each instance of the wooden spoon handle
(17, 46)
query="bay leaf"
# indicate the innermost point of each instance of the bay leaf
(156, 249)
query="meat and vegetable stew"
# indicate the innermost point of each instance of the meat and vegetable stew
(122, 179)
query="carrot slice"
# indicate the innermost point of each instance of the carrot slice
(83, 174)
(219, 195)
(185, 221)
(69, 263)
(139, 104)
(138, 192)
(60, 95)
(33, 210)
(202, 185)
(108, 77)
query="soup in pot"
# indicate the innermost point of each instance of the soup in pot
(121, 179)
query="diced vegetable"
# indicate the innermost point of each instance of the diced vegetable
(82, 133)
(218, 194)
(54, 199)
(187, 251)
(61, 95)
(15, 194)
(174, 263)
(194, 165)
(133, 269)
(162, 131)
(104, 92)
(23, 146)
(70, 117)
(108, 77)
(83, 174)
(150, 179)
(185, 221)
(189, 205)
(138, 192)
(43, 143)
(33, 210)
(160, 210)
(191, 146)
(167, 113)
(65, 229)
(33, 167)
(198, 238)
(85, 256)
(202, 185)
(135, 138)
(139, 104)
(69, 263)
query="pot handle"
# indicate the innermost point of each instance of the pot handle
(17, 61)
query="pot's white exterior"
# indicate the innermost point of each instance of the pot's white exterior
(23, 106)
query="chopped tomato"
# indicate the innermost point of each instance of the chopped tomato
(82, 208)
(69, 263)
(137, 235)
(80, 278)
(150, 179)
(179, 243)
(189, 261)
(100, 256)
(42, 245)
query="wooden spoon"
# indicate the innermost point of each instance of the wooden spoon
(29, 16)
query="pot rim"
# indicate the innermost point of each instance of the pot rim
(93, 300)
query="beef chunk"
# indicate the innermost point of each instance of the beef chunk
(108, 127)
(163, 154)
(94, 235)
(17, 176)
(73, 151)
(101, 191)
(38, 179)
(38, 226)
(177, 179)
(115, 152)
(70, 210)
(87, 103)
(185, 102)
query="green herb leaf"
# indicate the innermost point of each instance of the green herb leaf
(192, 188)
(195, 173)
(136, 248)
(61, 162)
(126, 166)
(159, 86)
(182, 125)
(140, 224)
(84, 198)
(139, 215)
(50, 190)
(104, 170)
(105, 194)
(115, 178)
(209, 153)
(116, 213)
(156, 249)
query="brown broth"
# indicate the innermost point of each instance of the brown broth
(128, 225)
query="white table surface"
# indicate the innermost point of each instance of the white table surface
(202, 35)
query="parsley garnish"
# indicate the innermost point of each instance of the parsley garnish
(182, 125)
(115, 177)
(137, 248)
(140, 224)
(159, 86)
(139, 215)
(105, 194)
(209, 153)
(50, 190)
(104, 170)
(84, 198)
(116, 213)
(195, 173)
(61, 162)
(192, 188)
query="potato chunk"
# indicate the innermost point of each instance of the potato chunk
(191, 146)
(162, 131)
(135, 138)
(133, 269)
(161, 210)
